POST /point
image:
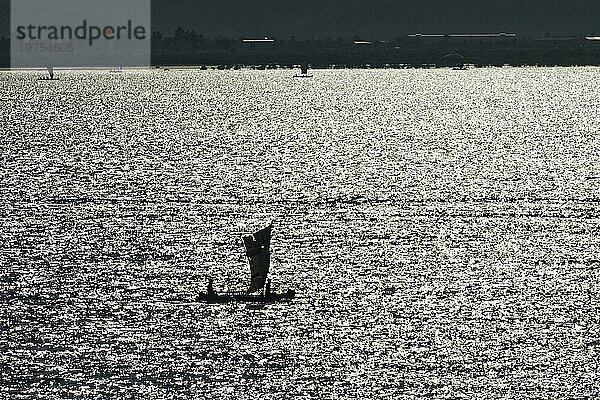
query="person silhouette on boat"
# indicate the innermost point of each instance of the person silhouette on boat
(210, 290)
(268, 289)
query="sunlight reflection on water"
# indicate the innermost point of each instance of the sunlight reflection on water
(440, 228)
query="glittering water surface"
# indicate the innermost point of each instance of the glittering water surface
(440, 228)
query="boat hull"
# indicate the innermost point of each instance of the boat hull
(245, 298)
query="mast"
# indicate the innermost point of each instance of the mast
(258, 251)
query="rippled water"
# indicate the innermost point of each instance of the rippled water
(440, 227)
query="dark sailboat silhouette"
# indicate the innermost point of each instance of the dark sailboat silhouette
(258, 251)
(50, 76)
(303, 71)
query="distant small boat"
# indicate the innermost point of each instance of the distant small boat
(303, 71)
(258, 251)
(117, 70)
(50, 76)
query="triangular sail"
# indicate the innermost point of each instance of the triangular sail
(51, 72)
(259, 257)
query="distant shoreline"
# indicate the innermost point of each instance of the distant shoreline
(275, 68)
(413, 51)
